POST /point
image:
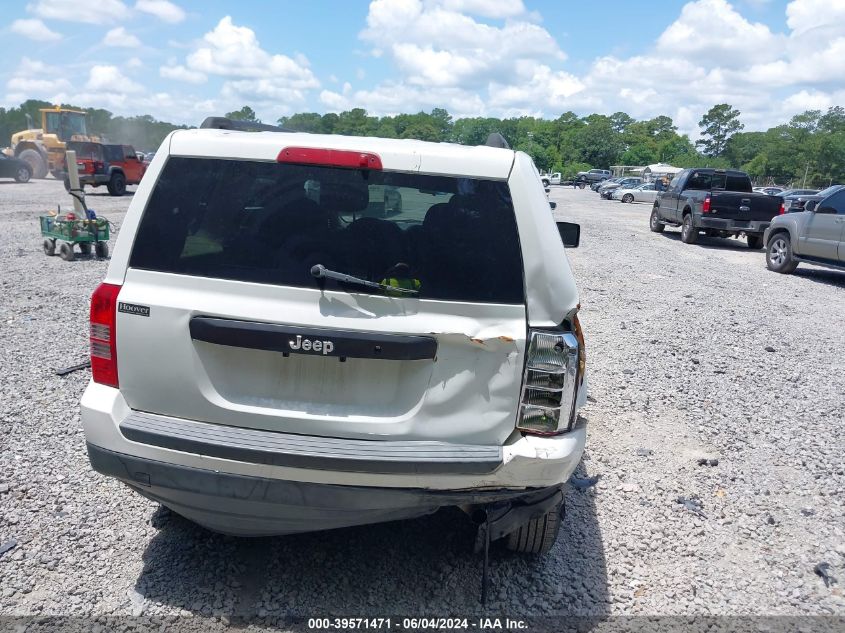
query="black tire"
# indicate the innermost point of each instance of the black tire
(779, 254)
(755, 242)
(689, 234)
(49, 247)
(582, 185)
(85, 248)
(101, 249)
(23, 174)
(654, 222)
(628, 197)
(537, 536)
(36, 162)
(66, 251)
(117, 184)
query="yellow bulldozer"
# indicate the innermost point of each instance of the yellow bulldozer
(44, 149)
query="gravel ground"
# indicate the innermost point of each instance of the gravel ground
(694, 352)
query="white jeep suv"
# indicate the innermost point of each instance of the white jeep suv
(279, 348)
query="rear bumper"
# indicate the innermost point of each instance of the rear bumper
(258, 506)
(299, 492)
(96, 180)
(734, 226)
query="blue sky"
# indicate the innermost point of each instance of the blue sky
(181, 60)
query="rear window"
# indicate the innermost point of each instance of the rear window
(449, 238)
(738, 182)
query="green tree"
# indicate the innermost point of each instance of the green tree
(303, 122)
(244, 114)
(717, 126)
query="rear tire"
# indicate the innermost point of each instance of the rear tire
(23, 175)
(85, 248)
(779, 254)
(654, 222)
(117, 184)
(49, 247)
(101, 249)
(755, 242)
(628, 197)
(66, 251)
(36, 162)
(537, 536)
(689, 234)
(546, 182)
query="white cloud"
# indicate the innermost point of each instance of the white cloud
(508, 65)
(33, 79)
(36, 87)
(486, 8)
(103, 12)
(163, 9)
(735, 42)
(180, 73)
(35, 29)
(252, 73)
(434, 44)
(134, 62)
(110, 80)
(120, 38)
(808, 15)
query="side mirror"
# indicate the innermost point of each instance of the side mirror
(810, 205)
(553, 205)
(570, 234)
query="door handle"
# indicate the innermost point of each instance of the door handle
(744, 208)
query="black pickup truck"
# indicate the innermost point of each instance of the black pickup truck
(718, 202)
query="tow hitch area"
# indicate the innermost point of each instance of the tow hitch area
(499, 519)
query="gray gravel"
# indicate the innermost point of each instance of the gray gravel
(721, 463)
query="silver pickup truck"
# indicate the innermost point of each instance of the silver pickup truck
(814, 236)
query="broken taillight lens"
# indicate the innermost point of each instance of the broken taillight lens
(103, 336)
(550, 386)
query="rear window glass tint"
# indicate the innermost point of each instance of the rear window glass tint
(449, 238)
(736, 182)
(699, 181)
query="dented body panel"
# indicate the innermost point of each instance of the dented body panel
(466, 393)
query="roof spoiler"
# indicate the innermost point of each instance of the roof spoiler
(222, 123)
(496, 140)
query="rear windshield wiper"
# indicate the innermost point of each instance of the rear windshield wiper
(321, 272)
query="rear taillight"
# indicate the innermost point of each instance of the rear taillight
(705, 206)
(103, 335)
(553, 372)
(782, 208)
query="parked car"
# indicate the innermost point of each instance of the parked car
(266, 359)
(645, 192)
(718, 202)
(551, 179)
(114, 166)
(11, 167)
(594, 175)
(610, 185)
(794, 199)
(794, 204)
(814, 236)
